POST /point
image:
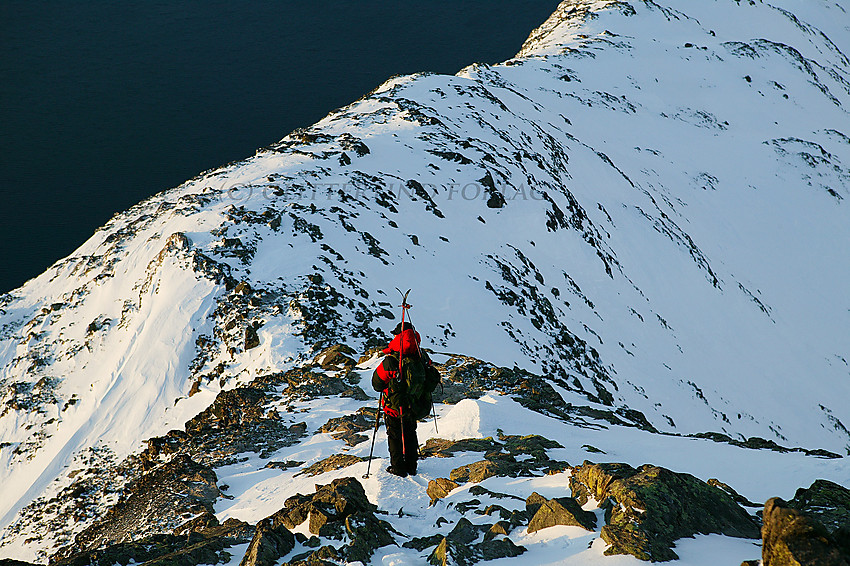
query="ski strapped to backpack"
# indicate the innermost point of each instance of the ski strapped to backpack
(410, 392)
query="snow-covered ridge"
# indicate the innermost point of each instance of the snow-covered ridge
(647, 205)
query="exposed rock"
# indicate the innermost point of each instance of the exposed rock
(500, 457)
(252, 339)
(367, 533)
(825, 501)
(758, 443)
(439, 488)
(336, 357)
(558, 511)
(739, 499)
(421, 543)
(270, 542)
(479, 490)
(653, 507)
(157, 502)
(331, 463)
(457, 547)
(347, 428)
(283, 465)
(442, 448)
(337, 510)
(505, 465)
(206, 546)
(236, 422)
(498, 528)
(790, 538)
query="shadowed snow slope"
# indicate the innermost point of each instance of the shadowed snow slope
(648, 205)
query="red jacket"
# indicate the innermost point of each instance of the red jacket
(407, 342)
(387, 370)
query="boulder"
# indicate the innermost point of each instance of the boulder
(331, 463)
(459, 546)
(270, 542)
(336, 357)
(791, 538)
(825, 501)
(439, 488)
(648, 508)
(557, 511)
(339, 510)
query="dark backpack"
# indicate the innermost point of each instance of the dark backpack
(410, 392)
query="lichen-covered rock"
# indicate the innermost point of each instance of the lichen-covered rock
(790, 538)
(252, 339)
(439, 488)
(331, 463)
(443, 448)
(825, 501)
(339, 510)
(653, 507)
(367, 533)
(558, 511)
(460, 547)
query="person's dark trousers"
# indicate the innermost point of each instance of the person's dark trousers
(402, 460)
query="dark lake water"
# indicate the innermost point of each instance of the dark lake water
(105, 103)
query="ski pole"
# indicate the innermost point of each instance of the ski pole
(433, 408)
(374, 432)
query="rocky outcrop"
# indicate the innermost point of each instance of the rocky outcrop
(270, 542)
(339, 510)
(792, 538)
(331, 463)
(236, 422)
(207, 545)
(158, 501)
(349, 427)
(825, 501)
(336, 357)
(510, 456)
(439, 488)
(648, 508)
(461, 546)
(557, 511)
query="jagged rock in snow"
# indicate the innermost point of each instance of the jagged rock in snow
(461, 546)
(347, 428)
(208, 545)
(648, 508)
(159, 501)
(557, 511)
(331, 463)
(338, 510)
(825, 501)
(271, 542)
(439, 488)
(793, 538)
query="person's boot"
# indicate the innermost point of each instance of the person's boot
(410, 467)
(397, 471)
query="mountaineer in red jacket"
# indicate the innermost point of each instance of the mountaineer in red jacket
(401, 421)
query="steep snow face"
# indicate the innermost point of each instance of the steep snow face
(648, 205)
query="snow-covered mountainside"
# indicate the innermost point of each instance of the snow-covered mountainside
(645, 209)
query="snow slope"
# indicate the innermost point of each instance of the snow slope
(648, 205)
